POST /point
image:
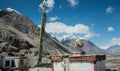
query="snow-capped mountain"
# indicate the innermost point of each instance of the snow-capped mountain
(12, 10)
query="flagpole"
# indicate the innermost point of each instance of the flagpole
(42, 32)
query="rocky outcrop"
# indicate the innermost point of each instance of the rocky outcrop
(11, 41)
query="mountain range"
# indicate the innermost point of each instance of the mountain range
(114, 50)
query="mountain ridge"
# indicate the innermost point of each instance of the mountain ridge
(113, 50)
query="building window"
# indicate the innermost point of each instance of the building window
(13, 63)
(7, 63)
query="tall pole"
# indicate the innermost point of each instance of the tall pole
(42, 32)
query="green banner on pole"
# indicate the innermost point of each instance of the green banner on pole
(42, 32)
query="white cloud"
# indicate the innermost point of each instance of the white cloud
(60, 6)
(40, 5)
(113, 41)
(60, 28)
(109, 10)
(50, 5)
(73, 2)
(92, 24)
(53, 18)
(110, 29)
(90, 35)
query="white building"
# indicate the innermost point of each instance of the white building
(78, 62)
(9, 62)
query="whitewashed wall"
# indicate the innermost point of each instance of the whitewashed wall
(82, 66)
(100, 66)
(75, 66)
(58, 66)
(16, 63)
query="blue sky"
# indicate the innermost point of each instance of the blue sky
(94, 20)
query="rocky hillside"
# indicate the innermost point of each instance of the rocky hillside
(19, 34)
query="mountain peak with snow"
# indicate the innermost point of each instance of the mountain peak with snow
(70, 37)
(12, 10)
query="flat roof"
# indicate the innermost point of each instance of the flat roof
(80, 58)
(6, 57)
